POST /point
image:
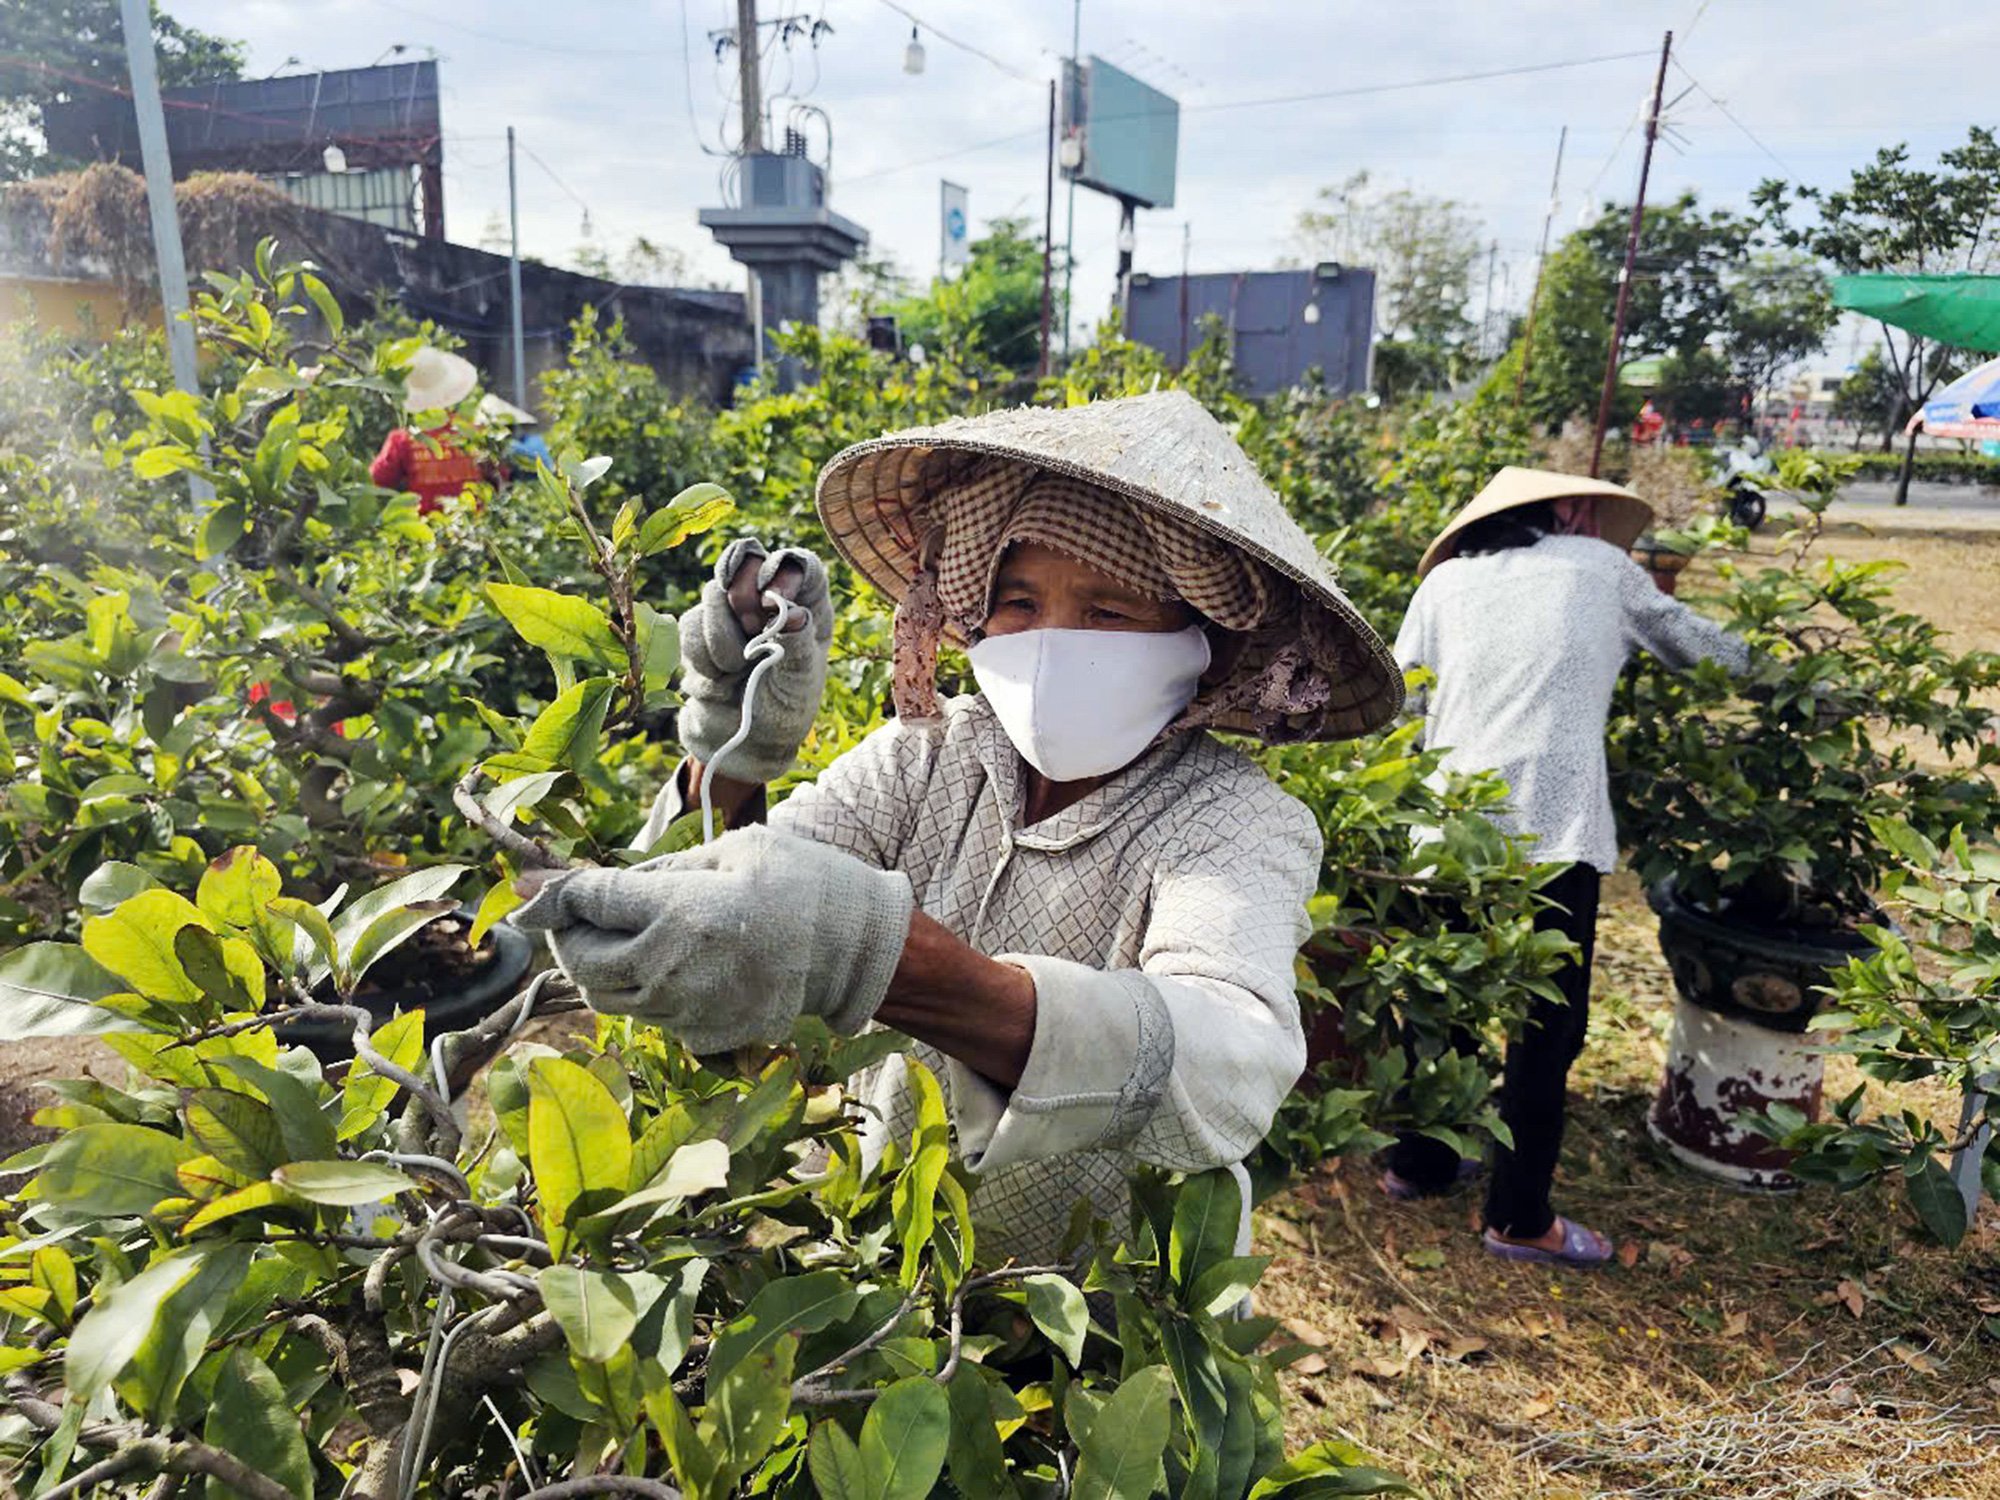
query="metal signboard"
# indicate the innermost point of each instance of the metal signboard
(1122, 135)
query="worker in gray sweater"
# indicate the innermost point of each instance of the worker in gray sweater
(1527, 610)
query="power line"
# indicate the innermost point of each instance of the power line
(1749, 134)
(536, 44)
(1341, 93)
(916, 20)
(687, 92)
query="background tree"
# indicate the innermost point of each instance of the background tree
(1869, 398)
(1892, 216)
(1422, 250)
(991, 312)
(1780, 312)
(52, 51)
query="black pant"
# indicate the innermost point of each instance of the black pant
(1533, 1084)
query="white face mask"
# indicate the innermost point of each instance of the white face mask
(1080, 703)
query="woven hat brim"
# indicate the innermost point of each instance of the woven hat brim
(1622, 516)
(866, 501)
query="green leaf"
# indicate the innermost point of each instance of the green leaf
(915, 1196)
(161, 460)
(236, 1130)
(1204, 1232)
(342, 1184)
(561, 624)
(835, 1465)
(314, 946)
(389, 932)
(221, 529)
(366, 1094)
(307, 1133)
(1937, 1201)
(249, 1418)
(748, 1408)
(113, 1170)
(1057, 1306)
(237, 887)
(579, 1143)
(1120, 1457)
(112, 882)
(566, 732)
(597, 1310)
(698, 508)
(323, 300)
(792, 1304)
(500, 899)
(1328, 1468)
(430, 884)
(245, 1200)
(136, 942)
(523, 791)
(1228, 1282)
(698, 1167)
(52, 989)
(974, 1458)
(171, 1350)
(903, 1440)
(107, 1337)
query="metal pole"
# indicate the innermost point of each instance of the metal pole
(1187, 237)
(748, 81)
(136, 17)
(1535, 297)
(1631, 255)
(1486, 307)
(1069, 218)
(1128, 231)
(514, 278)
(1048, 230)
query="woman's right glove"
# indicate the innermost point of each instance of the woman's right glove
(714, 635)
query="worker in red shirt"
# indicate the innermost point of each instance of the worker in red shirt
(430, 465)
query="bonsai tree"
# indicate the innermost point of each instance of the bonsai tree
(1761, 797)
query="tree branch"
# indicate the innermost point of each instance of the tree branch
(530, 853)
(604, 1484)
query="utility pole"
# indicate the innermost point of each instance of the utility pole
(514, 278)
(749, 83)
(1048, 231)
(1486, 307)
(1069, 221)
(1631, 255)
(136, 17)
(1128, 241)
(1535, 297)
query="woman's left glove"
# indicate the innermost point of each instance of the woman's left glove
(731, 942)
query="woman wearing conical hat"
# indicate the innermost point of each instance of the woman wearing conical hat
(1080, 905)
(1527, 609)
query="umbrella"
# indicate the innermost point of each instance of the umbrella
(1961, 309)
(1967, 408)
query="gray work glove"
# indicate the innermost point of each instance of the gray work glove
(714, 635)
(729, 943)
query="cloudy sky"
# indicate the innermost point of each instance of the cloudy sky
(622, 103)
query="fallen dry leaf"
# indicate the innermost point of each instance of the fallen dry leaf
(1534, 1324)
(1312, 1364)
(1916, 1359)
(1541, 1406)
(1306, 1333)
(1286, 1231)
(1851, 1296)
(1464, 1346)
(1414, 1342)
(1668, 1256)
(1378, 1369)
(1628, 1254)
(1736, 1325)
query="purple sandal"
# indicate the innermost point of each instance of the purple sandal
(1399, 1189)
(1580, 1247)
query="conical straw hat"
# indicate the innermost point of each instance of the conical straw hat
(1163, 451)
(438, 380)
(1622, 517)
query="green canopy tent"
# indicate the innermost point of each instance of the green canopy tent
(1960, 309)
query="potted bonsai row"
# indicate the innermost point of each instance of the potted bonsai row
(1750, 807)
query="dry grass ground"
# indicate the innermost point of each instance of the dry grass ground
(1799, 1346)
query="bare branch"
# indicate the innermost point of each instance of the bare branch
(527, 851)
(604, 1484)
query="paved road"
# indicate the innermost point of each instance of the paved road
(1932, 507)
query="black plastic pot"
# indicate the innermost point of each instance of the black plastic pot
(1757, 972)
(469, 998)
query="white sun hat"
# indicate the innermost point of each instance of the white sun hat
(437, 380)
(1622, 516)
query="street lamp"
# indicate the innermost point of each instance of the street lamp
(913, 55)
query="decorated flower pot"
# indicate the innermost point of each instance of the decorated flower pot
(1746, 993)
(434, 971)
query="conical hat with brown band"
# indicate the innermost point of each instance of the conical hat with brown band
(1622, 516)
(1163, 451)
